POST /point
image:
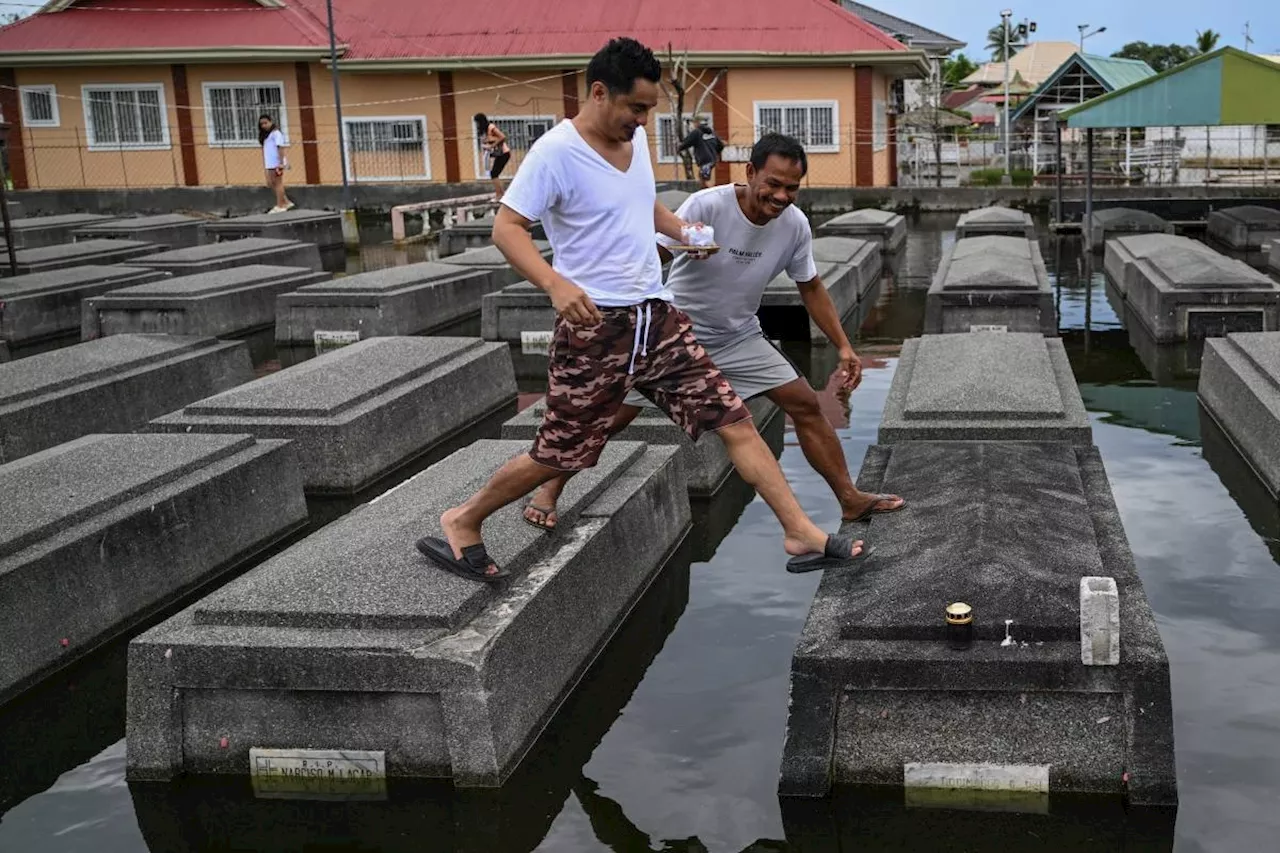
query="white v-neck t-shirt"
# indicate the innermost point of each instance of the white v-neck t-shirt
(598, 219)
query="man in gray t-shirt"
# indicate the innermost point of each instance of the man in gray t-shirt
(760, 233)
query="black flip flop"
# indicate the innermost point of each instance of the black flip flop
(871, 508)
(834, 554)
(473, 565)
(546, 511)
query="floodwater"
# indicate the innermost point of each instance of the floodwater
(673, 741)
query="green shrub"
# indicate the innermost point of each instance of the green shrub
(993, 177)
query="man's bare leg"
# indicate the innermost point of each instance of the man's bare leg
(542, 506)
(821, 446)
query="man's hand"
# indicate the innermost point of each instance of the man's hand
(850, 369)
(572, 303)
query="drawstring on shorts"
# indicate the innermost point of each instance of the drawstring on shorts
(641, 344)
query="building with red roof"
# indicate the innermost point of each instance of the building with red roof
(131, 93)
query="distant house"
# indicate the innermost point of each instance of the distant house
(135, 93)
(1034, 63)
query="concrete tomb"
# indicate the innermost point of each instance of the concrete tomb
(705, 465)
(173, 230)
(47, 305)
(116, 384)
(1028, 697)
(16, 210)
(364, 410)
(473, 234)
(984, 387)
(1273, 256)
(1244, 227)
(1180, 290)
(416, 299)
(996, 283)
(492, 261)
(1118, 221)
(988, 221)
(221, 303)
(111, 528)
(1240, 389)
(40, 231)
(79, 254)
(236, 253)
(885, 227)
(352, 641)
(848, 268)
(323, 228)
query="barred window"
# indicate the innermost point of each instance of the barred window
(126, 116)
(233, 109)
(387, 148)
(811, 122)
(40, 106)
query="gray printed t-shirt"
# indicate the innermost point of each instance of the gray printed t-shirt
(722, 293)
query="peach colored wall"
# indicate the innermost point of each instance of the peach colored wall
(880, 159)
(539, 94)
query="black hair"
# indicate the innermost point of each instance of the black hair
(782, 145)
(263, 134)
(620, 63)
(482, 123)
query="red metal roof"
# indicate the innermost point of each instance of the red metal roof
(381, 29)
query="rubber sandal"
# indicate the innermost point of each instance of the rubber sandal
(872, 510)
(473, 565)
(546, 511)
(835, 553)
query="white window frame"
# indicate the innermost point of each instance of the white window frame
(347, 121)
(52, 92)
(478, 161)
(282, 120)
(125, 146)
(834, 106)
(658, 118)
(879, 125)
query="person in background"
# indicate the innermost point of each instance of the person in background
(272, 140)
(706, 151)
(498, 153)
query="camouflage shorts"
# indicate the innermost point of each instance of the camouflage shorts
(591, 372)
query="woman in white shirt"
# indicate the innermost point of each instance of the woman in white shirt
(272, 140)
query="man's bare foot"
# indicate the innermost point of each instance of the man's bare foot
(864, 505)
(541, 509)
(460, 533)
(813, 545)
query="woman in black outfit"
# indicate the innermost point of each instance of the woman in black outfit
(494, 143)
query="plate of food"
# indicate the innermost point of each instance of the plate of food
(709, 250)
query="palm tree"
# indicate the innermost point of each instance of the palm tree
(996, 41)
(1207, 41)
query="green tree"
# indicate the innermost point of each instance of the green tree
(1161, 57)
(1207, 41)
(956, 68)
(996, 41)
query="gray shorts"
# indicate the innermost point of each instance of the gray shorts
(753, 367)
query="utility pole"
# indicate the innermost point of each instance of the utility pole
(350, 229)
(1248, 37)
(1005, 16)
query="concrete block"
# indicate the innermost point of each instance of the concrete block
(984, 387)
(1183, 290)
(782, 311)
(323, 228)
(672, 199)
(886, 228)
(876, 685)
(173, 230)
(992, 221)
(1113, 222)
(79, 254)
(47, 305)
(1273, 256)
(987, 282)
(863, 255)
(704, 463)
(473, 234)
(1240, 389)
(364, 410)
(221, 303)
(112, 528)
(236, 253)
(1122, 252)
(16, 210)
(351, 640)
(1244, 227)
(491, 260)
(417, 299)
(1099, 622)
(116, 384)
(40, 231)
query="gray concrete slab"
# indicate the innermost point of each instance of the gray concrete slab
(984, 387)
(16, 210)
(998, 282)
(47, 305)
(781, 303)
(116, 384)
(1244, 227)
(704, 463)
(1184, 290)
(473, 234)
(80, 254)
(352, 640)
(515, 313)
(320, 227)
(887, 228)
(672, 199)
(174, 230)
(40, 231)
(1114, 222)
(415, 299)
(876, 688)
(864, 256)
(111, 528)
(236, 253)
(989, 221)
(222, 303)
(363, 410)
(1240, 388)
(1272, 248)
(1122, 252)
(492, 260)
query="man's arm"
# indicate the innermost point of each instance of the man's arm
(511, 236)
(667, 223)
(823, 311)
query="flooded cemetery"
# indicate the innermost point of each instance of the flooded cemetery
(219, 441)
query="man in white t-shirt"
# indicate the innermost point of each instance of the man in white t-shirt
(760, 233)
(590, 182)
